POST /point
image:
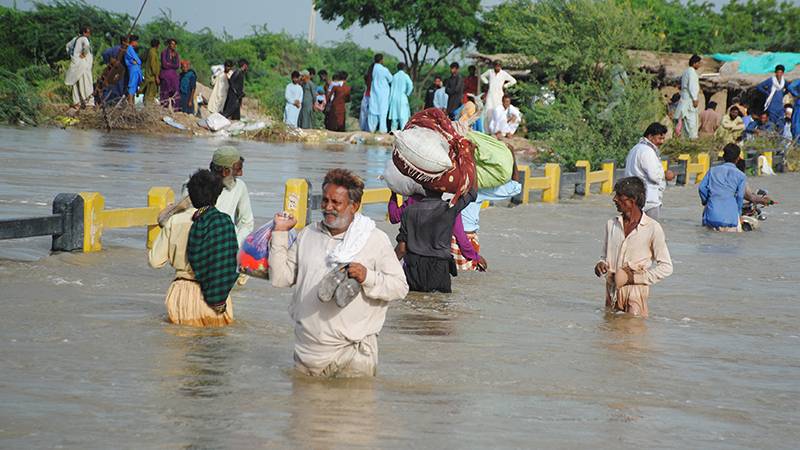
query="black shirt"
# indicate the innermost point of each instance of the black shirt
(427, 225)
(429, 94)
(455, 92)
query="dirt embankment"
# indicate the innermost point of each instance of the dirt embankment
(255, 125)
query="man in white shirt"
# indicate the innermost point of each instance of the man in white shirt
(294, 98)
(337, 338)
(644, 161)
(497, 79)
(234, 199)
(505, 119)
(690, 98)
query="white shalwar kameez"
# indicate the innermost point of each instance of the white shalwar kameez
(294, 92)
(497, 82)
(79, 74)
(501, 120)
(220, 91)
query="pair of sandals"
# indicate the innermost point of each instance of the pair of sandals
(337, 285)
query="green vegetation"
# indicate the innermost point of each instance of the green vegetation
(577, 44)
(40, 36)
(440, 25)
(583, 100)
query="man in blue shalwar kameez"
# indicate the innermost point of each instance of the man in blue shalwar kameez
(774, 88)
(794, 89)
(134, 65)
(722, 193)
(402, 87)
(379, 96)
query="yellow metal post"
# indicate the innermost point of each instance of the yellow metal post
(93, 205)
(608, 183)
(768, 155)
(295, 200)
(375, 195)
(704, 161)
(526, 186)
(552, 172)
(157, 197)
(587, 185)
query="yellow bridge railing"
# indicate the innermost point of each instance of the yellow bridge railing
(699, 168)
(549, 184)
(604, 176)
(96, 218)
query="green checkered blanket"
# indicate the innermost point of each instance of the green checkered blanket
(212, 252)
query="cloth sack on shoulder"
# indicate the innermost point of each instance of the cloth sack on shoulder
(494, 162)
(424, 149)
(400, 183)
(461, 177)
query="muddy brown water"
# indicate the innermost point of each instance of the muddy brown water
(522, 356)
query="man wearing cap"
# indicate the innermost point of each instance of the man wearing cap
(234, 199)
(306, 120)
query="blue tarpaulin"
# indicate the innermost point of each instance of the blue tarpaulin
(760, 64)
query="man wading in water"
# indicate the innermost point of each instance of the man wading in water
(343, 257)
(633, 241)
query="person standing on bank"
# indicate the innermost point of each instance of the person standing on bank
(233, 102)
(79, 74)
(306, 120)
(152, 68)
(635, 254)
(379, 96)
(134, 65)
(644, 162)
(690, 98)
(169, 81)
(454, 87)
(774, 89)
(399, 109)
(293, 96)
(338, 98)
(333, 340)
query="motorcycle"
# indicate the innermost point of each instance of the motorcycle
(752, 215)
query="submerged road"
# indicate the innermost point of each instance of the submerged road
(522, 356)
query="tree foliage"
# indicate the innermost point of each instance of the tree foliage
(577, 43)
(417, 28)
(572, 39)
(699, 27)
(39, 36)
(35, 40)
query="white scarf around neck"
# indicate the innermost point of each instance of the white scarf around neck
(776, 86)
(355, 238)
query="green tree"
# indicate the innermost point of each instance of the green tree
(417, 28)
(572, 39)
(576, 44)
(41, 35)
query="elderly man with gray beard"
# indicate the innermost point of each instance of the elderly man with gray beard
(346, 258)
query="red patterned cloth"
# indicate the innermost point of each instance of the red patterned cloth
(458, 180)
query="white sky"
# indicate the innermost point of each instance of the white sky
(238, 16)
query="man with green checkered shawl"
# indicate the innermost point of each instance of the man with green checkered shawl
(212, 244)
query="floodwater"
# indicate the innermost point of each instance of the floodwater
(522, 356)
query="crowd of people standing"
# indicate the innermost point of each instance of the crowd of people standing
(767, 115)
(161, 78)
(386, 102)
